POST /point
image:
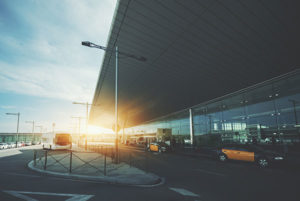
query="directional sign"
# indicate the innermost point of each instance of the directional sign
(25, 195)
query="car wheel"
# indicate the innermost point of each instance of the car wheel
(263, 162)
(222, 157)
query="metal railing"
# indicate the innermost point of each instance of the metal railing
(99, 160)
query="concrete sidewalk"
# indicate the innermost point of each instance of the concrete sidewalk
(15, 151)
(90, 166)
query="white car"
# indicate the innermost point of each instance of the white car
(12, 145)
(6, 145)
(3, 146)
(28, 143)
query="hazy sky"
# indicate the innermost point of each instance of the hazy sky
(43, 67)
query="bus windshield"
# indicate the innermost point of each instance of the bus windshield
(62, 139)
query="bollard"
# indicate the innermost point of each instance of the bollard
(105, 164)
(34, 157)
(70, 169)
(45, 164)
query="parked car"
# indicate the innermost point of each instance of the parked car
(12, 144)
(249, 153)
(28, 143)
(158, 147)
(2, 146)
(9, 145)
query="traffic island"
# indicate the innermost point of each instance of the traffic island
(90, 166)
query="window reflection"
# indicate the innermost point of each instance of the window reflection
(265, 114)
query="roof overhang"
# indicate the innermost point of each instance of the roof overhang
(196, 51)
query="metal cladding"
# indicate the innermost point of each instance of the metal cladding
(195, 51)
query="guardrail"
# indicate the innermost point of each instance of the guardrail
(99, 160)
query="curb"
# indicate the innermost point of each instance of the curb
(102, 179)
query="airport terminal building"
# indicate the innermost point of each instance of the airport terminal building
(266, 113)
(215, 72)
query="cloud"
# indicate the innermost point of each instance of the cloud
(62, 82)
(7, 107)
(48, 60)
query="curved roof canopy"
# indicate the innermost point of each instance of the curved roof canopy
(196, 51)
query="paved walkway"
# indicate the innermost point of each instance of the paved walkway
(91, 166)
(15, 151)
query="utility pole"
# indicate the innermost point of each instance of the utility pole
(31, 122)
(53, 126)
(79, 122)
(117, 52)
(41, 129)
(87, 118)
(17, 114)
(116, 107)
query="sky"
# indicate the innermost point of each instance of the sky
(43, 67)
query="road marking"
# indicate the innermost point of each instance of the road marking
(210, 172)
(73, 197)
(184, 192)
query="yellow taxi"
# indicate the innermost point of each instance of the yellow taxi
(249, 153)
(158, 147)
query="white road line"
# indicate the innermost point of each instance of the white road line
(210, 172)
(73, 197)
(184, 192)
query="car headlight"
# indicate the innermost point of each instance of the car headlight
(278, 158)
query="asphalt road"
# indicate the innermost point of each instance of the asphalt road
(186, 179)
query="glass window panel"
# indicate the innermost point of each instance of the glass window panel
(260, 113)
(287, 102)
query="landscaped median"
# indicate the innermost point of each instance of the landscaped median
(92, 166)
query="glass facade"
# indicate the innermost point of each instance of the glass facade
(22, 137)
(267, 113)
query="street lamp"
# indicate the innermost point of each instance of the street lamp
(18, 114)
(79, 122)
(87, 113)
(31, 122)
(86, 120)
(117, 52)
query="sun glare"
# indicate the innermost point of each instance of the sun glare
(98, 130)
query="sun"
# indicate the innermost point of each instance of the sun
(93, 130)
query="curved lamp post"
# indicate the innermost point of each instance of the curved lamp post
(117, 52)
